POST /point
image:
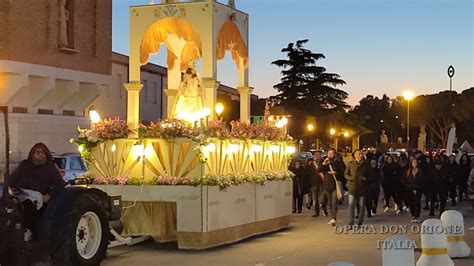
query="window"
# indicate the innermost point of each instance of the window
(76, 164)
(60, 162)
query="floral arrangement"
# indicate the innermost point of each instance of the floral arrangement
(112, 129)
(217, 129)
(223, 181)
(160, 180)
(254, 131)
(167, 129)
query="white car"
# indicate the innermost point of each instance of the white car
(70, 165)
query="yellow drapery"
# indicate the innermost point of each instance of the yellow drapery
(158, 33)
(229, 39)
(157, 219)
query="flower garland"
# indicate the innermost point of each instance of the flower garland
(223, 181)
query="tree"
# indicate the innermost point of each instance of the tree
(304, 82)
(439, 111)
(305, 87)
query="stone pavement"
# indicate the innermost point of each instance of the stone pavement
(309, 241)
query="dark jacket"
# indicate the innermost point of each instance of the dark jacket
(373, 178)
(391, 174)
(465, 171)
(315, 174)
(338, 166)
(356, 176)
(300, 181)
(414, 182)
(439, 180)
(44, 178)
(453, 172)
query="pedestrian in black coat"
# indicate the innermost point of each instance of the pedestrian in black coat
(414, 182)
(332, 169)
(439, 187)
(453, 171)
(427, 170)
(373, 188)
(300, 185)
(464, 172)
(391, 183)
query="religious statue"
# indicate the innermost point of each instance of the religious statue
(63, 21)
(266, 113)
(189, 99)
(422, 138)
(383, 138)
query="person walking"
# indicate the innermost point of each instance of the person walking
(300, 186)
(452, 169)
(356, 176)
(391, 183)
(414, 182)
(464, 172)
(316, 180)
(428, 167)
(439, 187)
(373, 188)
(332, 170)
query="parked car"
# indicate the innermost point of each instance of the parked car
(303, 158)
(70, 165)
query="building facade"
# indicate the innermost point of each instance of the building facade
(54, 61)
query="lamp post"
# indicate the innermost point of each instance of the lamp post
(408, 96)
(310, 128)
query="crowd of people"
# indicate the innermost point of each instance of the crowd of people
(410, 183)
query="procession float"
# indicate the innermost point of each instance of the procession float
(191, 178)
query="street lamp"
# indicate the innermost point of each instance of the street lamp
(346, 134)
(94, 116)
(219, 109)
(332, 131)
(310, 127)
(408, 96)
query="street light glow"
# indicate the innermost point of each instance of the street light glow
(408, 95)
(94, 115)
(310, 127)
(346, 134)
(332, 131)
(219, 108)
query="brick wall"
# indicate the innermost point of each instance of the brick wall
(30, 33)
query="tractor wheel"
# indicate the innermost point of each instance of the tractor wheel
(85, 231)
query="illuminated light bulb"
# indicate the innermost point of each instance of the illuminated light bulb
(80, 148)
(94, 116)
(211, 147)
(137, 150)
(270, 118)
(346, 134)
(149, 151)
(274, 148)
(257, 148)
(113, 148)
(290, 149)
(234, 148)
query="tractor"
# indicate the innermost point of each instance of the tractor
(73, 229)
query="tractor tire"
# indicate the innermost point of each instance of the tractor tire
(83, 234)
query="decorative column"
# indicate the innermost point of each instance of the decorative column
(210, 94)
(245, 103)
(170, 98)
(133, 102)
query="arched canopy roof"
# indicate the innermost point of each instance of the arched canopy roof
(160, 31)
(229, 39)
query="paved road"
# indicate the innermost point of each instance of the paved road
(309, 241)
